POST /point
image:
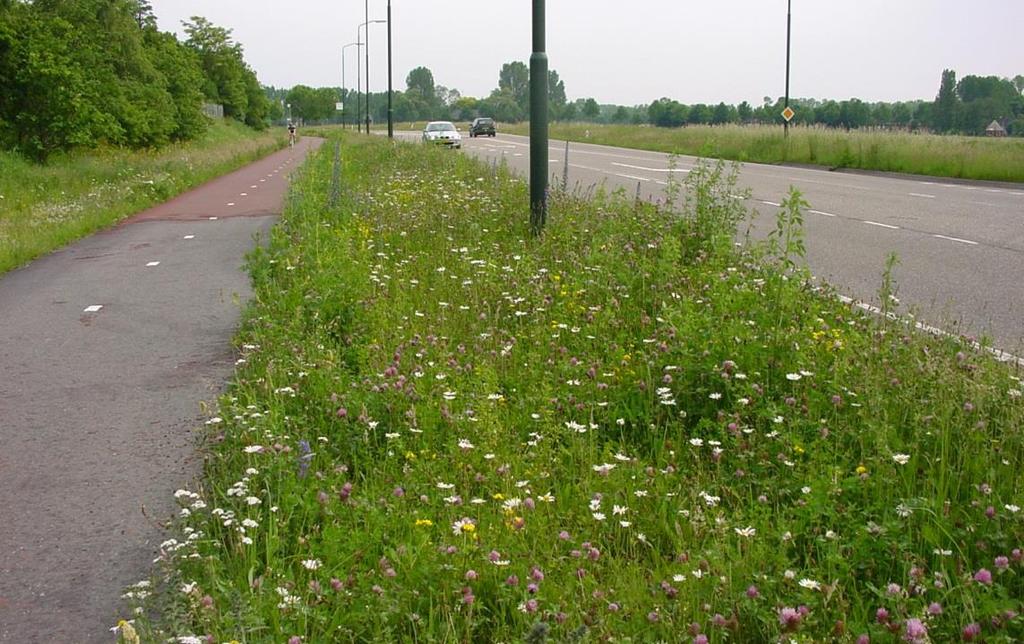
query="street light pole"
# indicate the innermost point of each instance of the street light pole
(366, 44)
(367, 51)
(391, 110)
(789, 23)
(538, 123)
(344, 97)
(359, 84)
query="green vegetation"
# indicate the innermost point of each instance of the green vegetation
(443, 429)
(926, 154)
(78, 193)
(78, 74)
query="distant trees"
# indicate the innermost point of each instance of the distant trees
(80, 73)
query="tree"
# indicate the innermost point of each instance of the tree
(621, 115)
(745, 112)
(556, 95)
(700, 114)
(590, 110)
(947, 104)
(666, 112)
(1018, 82)
(420, 82)
(515, 79)
(223, 65)
(723, 114)
(854, 113)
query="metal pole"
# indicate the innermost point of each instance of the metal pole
(391, 111)
(359, 84)
(789, 23)
(367, 66)
(344, 95)
(538, 123)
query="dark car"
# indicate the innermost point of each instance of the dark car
(482, 126)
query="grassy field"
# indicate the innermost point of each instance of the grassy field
(444, 430)
(43, 207)
(926, 154)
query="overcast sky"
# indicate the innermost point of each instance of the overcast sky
(634, 51)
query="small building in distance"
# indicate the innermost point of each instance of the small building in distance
(995, 129)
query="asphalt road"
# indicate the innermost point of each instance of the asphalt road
(960, 244)
(107, 348)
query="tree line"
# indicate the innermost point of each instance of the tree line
(86, 73)
(964, 107)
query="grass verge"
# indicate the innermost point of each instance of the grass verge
(47, 206)
(442, 429)
(925, 154)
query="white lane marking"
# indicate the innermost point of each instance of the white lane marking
(740, 197)
(263, 180)
(189, 237)
(152, 263)
(640, 167)
(554, 160)
(999, 354)
(923, 196)
(875, 223)
(957, 239)
(93, 308)
(254, 186)
(243, 194)
(214, 218)
(822, 213)
(630, 176)
(518, 154)
(769, 203)
(996, 191)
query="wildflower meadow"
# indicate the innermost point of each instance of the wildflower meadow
(631, 428)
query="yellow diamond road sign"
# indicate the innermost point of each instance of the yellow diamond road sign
(788, 114)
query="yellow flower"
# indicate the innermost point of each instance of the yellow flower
(424, 522)
(798, 449)
(128, 634)
(469, 527)
(410, 456)
(498, 496)
(861, 469)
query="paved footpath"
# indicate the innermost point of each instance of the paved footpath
(107, 349)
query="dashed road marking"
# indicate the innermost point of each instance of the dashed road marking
(152, 263)
(875, 223)
(957, 239)
(770, 203)
(93, 308)
(214, 218)
(189, 237)
(630, 176)
(243, 194)
(922, 195)
(822, 213)
(640, 167)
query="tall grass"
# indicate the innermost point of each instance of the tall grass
(925, 154)
(43, 207)
(444, 430)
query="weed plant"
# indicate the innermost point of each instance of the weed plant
(43, 207)
(443, 429)
(925, 154)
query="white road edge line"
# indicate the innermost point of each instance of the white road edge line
(152, 263)
(92, 309)
(923, 196)
(999, 354)
(822, 213)
(875, 223)
(957, 239)
(629, 176)
(770, 203)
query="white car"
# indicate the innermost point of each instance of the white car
(442, 133)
